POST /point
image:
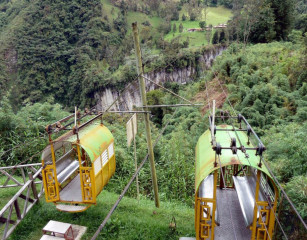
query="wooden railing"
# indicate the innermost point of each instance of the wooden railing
(11, 171)
(21, 203)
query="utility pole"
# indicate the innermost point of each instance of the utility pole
(146, 115)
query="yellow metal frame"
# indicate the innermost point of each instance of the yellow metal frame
(103, 176)
(50, 179)
(263, 230)
(87, 181)
(204, 229)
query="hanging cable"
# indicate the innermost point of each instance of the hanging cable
(208, 99)
(270, 205)
(171, 92)
(270, 171)
(130, 181)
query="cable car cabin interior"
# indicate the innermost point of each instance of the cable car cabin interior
(235, 196)
(78, 166)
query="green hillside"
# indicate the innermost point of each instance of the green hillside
(215, 16)
(57, 54)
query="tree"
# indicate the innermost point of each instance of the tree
(183, 17)
(175, 16)
(180, 28)
(222, 38)
(192, 16)
(174, 28)
(284, 17)
(215, 39)
(186, 43)
(202, 24)
(208, 35)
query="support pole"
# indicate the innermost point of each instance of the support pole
(146, 115)
(135, 164)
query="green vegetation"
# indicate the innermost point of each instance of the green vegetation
(25, 126)
(215, 16)
(63, 52)
(144, 221)
(267, 84)
(56, 52)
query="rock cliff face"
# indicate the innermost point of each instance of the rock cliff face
(131, 96)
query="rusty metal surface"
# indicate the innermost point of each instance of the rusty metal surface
(205, 156)
(94, 138)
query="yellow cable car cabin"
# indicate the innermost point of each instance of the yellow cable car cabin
(235, 196)
(77, 166)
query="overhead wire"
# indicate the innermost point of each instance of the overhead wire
(246, 156)
(130, 181)
(222, 174)
(168, 90)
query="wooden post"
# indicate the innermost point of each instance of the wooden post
(33, 187)
(146, 115)
(135, 163)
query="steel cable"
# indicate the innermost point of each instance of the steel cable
(246, 156)
(130, 181)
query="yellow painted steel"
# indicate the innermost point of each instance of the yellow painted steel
(50, 179)
(204, 225)
(256, 205)
(93, 149)
(204, 165)
(262, 228)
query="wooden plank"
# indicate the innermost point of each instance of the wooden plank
(27, 201)
(7, 222)
(10, 177)
(25, 198)
(21, 166)
(33, 186)
(23, 175)
(17, 209)
(4, 220)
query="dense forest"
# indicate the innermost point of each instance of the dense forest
(55, 55)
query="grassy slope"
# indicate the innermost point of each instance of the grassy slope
(215, 16)
(131, 16)
(131, 219)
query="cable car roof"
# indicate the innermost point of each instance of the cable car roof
(94, 139)
(205, 155)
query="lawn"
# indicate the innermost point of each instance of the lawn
(131, 16)
(107, 10)
(131, 220)
(215, 16)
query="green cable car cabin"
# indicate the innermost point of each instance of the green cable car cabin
(235, 196)
(77, 166)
